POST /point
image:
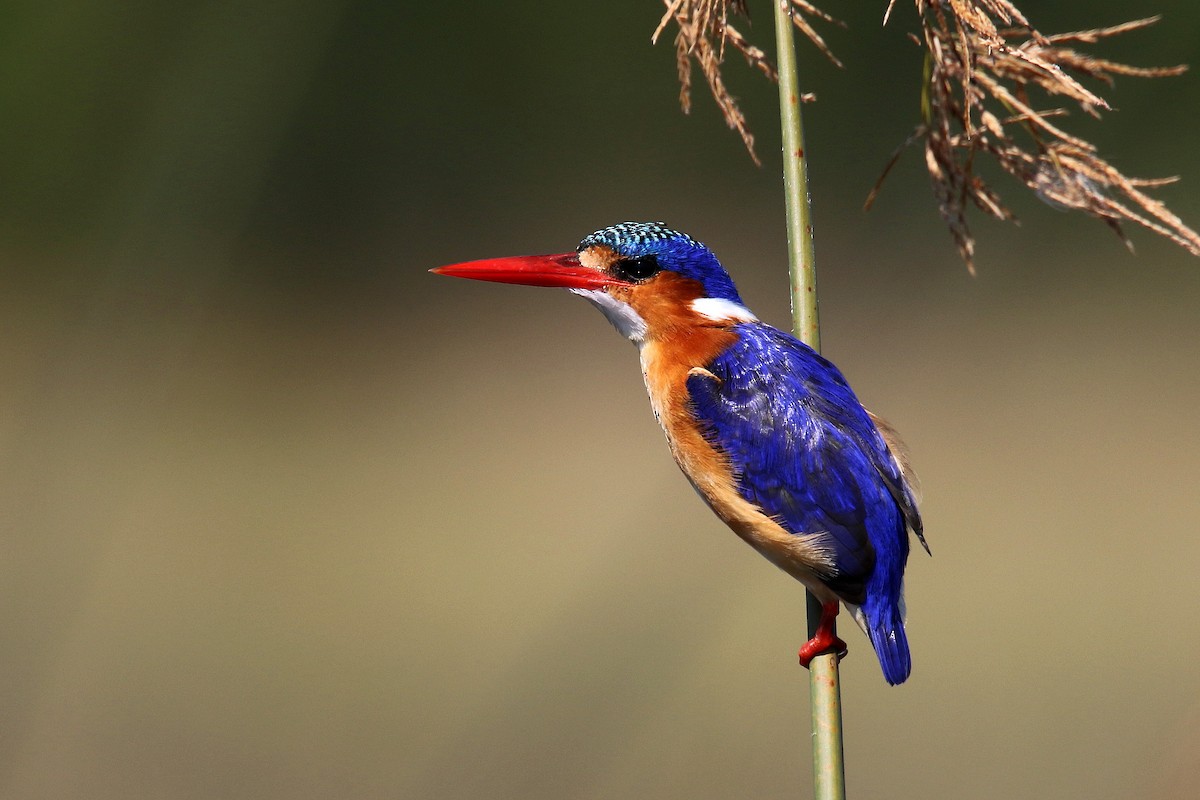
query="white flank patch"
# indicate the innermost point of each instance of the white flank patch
(620, 314)
(859, 617)
(719, 309)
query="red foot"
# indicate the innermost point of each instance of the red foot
(824, 640)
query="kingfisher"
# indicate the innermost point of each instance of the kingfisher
(768, 432)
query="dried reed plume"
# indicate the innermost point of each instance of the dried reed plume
(984, 64)
(704, 31)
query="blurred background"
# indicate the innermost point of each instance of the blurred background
(284, 516)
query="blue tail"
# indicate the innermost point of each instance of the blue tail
(886, 629)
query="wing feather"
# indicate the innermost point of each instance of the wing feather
(805, 451)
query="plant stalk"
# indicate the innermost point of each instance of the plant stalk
(802, 258)
(829, 774)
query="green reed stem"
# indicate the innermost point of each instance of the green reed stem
(829, 774)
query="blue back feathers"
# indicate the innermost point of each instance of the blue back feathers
(675, 251)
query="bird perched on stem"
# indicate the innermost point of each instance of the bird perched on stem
(768, 432)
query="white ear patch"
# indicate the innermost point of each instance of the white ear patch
(719, 309)
(620, 314)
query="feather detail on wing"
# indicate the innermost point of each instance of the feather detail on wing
(908, 491)
(804, 450)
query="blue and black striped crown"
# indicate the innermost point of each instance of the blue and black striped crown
(675, 251)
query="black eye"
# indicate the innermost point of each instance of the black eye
(638, 269)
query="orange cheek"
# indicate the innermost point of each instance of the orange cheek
(664, 301)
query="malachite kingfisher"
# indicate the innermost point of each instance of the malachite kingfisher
(767, 431)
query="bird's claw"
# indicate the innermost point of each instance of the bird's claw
(819, 646)
(823, 640)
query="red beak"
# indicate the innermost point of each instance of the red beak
(560, 270)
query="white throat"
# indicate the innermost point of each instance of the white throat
(620, 314)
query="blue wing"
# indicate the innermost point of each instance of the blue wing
(804, 450)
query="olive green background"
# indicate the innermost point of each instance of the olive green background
(284, 516)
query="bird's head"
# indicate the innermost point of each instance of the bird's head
(646, 278)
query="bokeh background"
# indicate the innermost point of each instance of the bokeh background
(284, 516)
